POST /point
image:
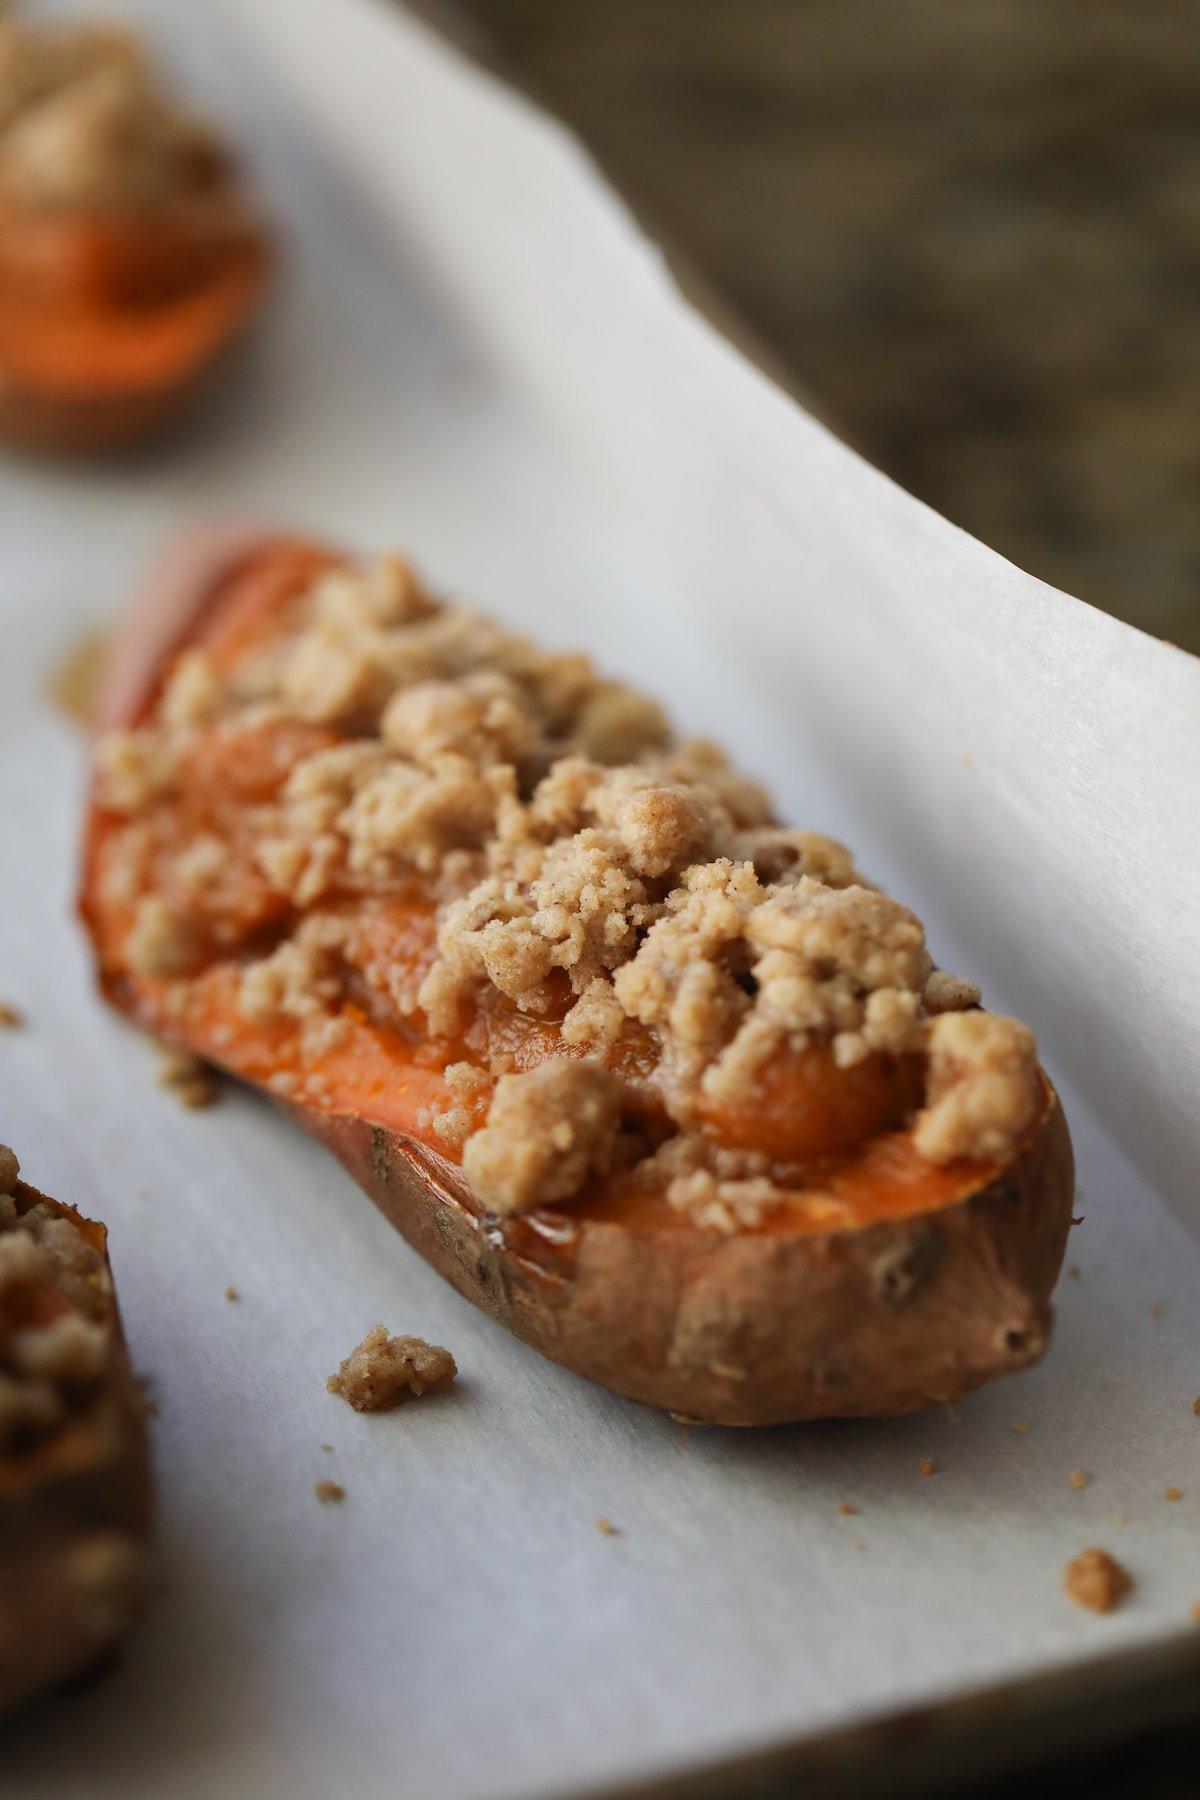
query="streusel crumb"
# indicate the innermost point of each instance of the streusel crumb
(548, 1131)
(386, 1371)
(49, 1366)
(1096, 1580)
(578, 868)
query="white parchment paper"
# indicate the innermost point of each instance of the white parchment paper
(475, 355)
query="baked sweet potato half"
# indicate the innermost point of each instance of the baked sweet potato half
(660, 1084)
(75, 1497)
(130, 255)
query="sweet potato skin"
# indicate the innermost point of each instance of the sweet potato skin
(89, 1486)
(752, 1328)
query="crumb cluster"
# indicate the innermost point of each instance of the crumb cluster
(1096, 1580)
(384, 1372)
(588, 870)
(85, 124)
(54, 1356)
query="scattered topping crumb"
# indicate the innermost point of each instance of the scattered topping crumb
(10, 1018)
(1077, 1479)
(1196, 1612)
(1023, 1427)
(328, 1492)
(606, 1528)
(1073, 1271)
(231, 1293)
(847, 1506)
(1172, 1493)
(1096, 1580)
(75, 679)
(1196, 1406)
(187, 1077)
(386, 1371)
(927, 1466)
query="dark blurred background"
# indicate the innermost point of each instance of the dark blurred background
(968, 230)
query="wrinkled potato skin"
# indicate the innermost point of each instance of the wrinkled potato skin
(752, 1329)
(91, 1478)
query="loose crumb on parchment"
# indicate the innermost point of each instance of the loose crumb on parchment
(927, 1466)
(329, 1492)
(1023, 1427)
(188, 1077)
(74, 681)
(606, 1528)
(1172, 1493)
(1078, 1479)
(231, 1293)
(1096, 1580)
(847, 1506)
(384, 1372)
(11, 1017)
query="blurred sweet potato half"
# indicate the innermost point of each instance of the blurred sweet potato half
(827, 1249)
(75, 1499)
(131, 255)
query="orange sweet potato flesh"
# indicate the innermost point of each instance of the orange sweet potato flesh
(109, 326)
(64, 1502)
(883, 1283)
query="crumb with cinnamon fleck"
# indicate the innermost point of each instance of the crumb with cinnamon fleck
(328, 1492)
(384, 1371)
(1096, 1580)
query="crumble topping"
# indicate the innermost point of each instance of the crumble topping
(1096, 1580)
(548, 1132)
(49, 1365)
(979, 1093)
(588, 871)
(86, 126)
(384, 1372)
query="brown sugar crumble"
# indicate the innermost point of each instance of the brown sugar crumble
(86, 126)
(1077, 1479)
(927, 1466)
(190, 1079)
(328, 1492)
(11, 1019)
(588, 871)
(847, 1507)
(1096, 1580)
(1172, 1493)
(231, 1293)
(51, 1367)
(606, 1528)
(384, 1372)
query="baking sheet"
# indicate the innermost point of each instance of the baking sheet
(473, 355)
